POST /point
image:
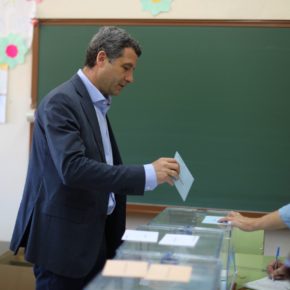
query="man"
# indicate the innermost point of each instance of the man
(72, 215)
(275, 220)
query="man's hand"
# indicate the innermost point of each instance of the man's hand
(167, 170)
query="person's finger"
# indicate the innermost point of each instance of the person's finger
(278, 277)
(170, 181)
(173, 173)
(223, 219)
(278, 273)
(171, 160)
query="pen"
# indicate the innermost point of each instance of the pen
(275, 266)
(277, 257)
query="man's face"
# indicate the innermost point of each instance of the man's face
(114, 75)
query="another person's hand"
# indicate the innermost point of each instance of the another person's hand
(239, 221)
(167, 169)
(277, 270)
(270, 221)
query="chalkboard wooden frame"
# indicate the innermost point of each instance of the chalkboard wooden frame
(151, 209)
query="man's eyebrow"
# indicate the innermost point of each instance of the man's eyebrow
(129, 65)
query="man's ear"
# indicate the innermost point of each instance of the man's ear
(101, 57)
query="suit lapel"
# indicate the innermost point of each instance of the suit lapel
(90, 113)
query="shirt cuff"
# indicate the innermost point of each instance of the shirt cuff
(284, 213)
(151, 178)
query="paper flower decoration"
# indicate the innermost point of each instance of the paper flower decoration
(156, 6)
(12, 50)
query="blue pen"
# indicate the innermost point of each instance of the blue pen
(277, 257)
(276, 260)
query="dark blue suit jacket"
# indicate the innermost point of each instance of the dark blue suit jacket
(63, 213)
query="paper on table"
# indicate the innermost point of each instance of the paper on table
(211, 219)
(179, 240)
(125, 268)
(174, 273)
(184, 183)
(140, 236)
(268, 284)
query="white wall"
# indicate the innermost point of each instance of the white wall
(190, 9)
(15, 133)
(274, 239)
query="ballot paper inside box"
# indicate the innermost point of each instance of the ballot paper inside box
(178, 240)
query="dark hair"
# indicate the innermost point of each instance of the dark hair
(112, 40)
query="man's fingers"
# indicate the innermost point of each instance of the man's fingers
(167, 169)
(170, 160)
(173, 173)
(170, 181)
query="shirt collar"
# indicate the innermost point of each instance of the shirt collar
(96, 96)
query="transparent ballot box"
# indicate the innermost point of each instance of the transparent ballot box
(188, 217)
(209, 242)
(229, 271)
(205, 275)
(193, 219)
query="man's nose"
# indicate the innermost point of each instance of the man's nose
(129, 77)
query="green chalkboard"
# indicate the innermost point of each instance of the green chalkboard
(218, 94)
